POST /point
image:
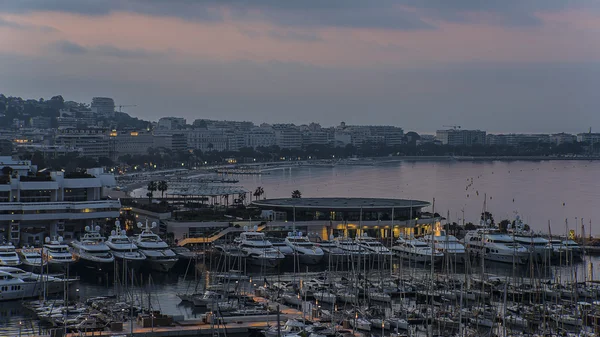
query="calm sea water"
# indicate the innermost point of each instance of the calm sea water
(540, 192)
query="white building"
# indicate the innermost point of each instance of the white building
(562, 138)
(171, 123)
(103, 106)
(287, 136)
(130, 142)
(259, 137)
(207, 140)
(92, 142)
(458, 137)
(588, 137)
(56, 203)
(175, 141)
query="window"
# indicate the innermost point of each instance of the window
(76, 194)
(36, 196)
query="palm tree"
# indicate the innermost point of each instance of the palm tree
(152, 187)
(258, 192)
(162, 187)
(226, 198)
(296, 194)
(241, 198)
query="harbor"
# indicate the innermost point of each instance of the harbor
(213, 257)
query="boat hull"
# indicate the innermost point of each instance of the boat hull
(264, 262)
(310, 258)
(59, 267)
(162, 265)
(103, 266)
(135, 264)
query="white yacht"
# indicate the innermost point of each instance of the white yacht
(351, 248)
(282, 246)
(159, 256)
(53, 284)
(31, 258)
(57, 254)
(91, 252)
(259, 251)
(331, 251)
(373, 246)
(303, 248)
(13, 288)
(496, 246)
(447, 244)
(539, 247)
(565, 249)
(123, 248)
(416, 250)
(8, 255)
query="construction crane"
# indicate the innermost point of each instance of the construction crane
(455, 127)
(125, 106)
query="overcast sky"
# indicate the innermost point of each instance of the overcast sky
(501, 66)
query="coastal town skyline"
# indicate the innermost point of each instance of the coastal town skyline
(521, 67)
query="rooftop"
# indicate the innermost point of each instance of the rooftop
(340, 203)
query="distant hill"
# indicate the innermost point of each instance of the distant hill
(12, 107)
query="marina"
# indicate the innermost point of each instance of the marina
(314, 266)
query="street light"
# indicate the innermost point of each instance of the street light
(20, 325)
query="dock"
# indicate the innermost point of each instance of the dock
(182, 328)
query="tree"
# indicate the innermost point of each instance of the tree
(152, 187)
(241, 198)
(296, 194)
(258, 192)
(7, 170)
(162, 187)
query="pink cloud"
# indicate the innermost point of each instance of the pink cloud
(559, 39)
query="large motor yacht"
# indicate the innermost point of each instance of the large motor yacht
(351, 248)
(282, 246)
(373, 246)
(495, 246)
(416, 250)
(91, 252)
(57, 254)
(303, 248)
(539, 247)
(31, 258)
(13, 288)
(332, 253)
(122, 247)
(447, 244)
(564, 250)
(159, 256)
(8, 255)
(258, 250)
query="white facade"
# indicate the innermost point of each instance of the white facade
(171, 123)
(132, 142)
(207, 140)
(92, 142)
(287, 136)
(457, 137)
(103, 106)
(57, 203)
(563, 138)
(260, 137)
(592, 138)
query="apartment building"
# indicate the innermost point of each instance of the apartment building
(93, 143)
(458, 137)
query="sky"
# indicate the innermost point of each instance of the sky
(500, 66)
